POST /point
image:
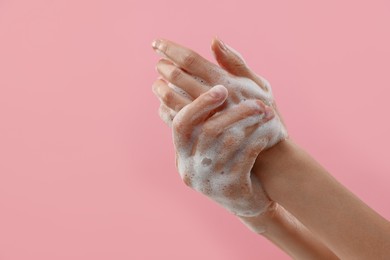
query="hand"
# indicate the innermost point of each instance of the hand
(186, 75)
(215, 152)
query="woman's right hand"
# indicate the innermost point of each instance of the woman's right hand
(186, 75)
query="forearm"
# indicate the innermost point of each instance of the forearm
(346, 225)
(287, 233)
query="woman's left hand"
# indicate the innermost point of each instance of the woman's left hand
(215, 152)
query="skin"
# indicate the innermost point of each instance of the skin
(275, 223)
(346, 225)
(195, 75)
(215, 154)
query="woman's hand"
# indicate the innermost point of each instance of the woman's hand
(215, 152)
(187, 75)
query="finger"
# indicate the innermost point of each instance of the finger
(226, 146)
(236, 115)
(180, 78)
(232, 128)
(191, 115)
(232, 61)
(247, 158)
(169, 96)
(188, 60)
(166, 114)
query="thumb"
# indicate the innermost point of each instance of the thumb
(195, 113)
(233, 62)
(228, 58)
(200, 109)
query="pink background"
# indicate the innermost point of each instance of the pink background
(86, 165)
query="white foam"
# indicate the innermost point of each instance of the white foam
(239, 192)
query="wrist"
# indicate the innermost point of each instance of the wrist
(266, 164)
(260, 224)
(268, 159)
(280, 166)
(289, 234)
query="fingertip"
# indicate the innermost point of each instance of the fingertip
(162, 62)
(218, 46)
(269, 113)
(154, 43)
(160, 47)
(214, 40)
(218, 92)
(156, 86)
(261, 104)
(228, 58)
(165, 60)
(214, 48)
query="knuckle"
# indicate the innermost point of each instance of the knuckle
(240, 64)
(236, 190)
(187, 179)
(253, 152)
(258, 107)
(237, 61)
(167, 96)
(175, 74)
(229, 141)
(209, 130)
(177, 125)
(231, 190)
(165, 116)
(189, 59)
(252, 110)
(155, 86)
(249, 110)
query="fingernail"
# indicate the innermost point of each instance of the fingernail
(218, 92)
(269, 113)
(163, 68)
(156, 44)
(167, 62)
(222, 45)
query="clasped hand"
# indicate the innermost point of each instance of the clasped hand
(219, 132)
